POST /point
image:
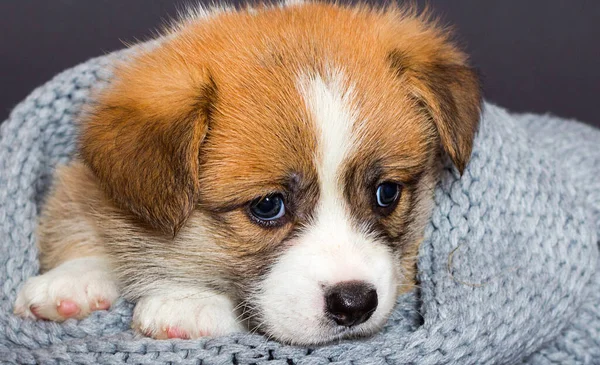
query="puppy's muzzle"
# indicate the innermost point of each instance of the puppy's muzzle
(351, 303)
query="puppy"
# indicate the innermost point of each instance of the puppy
(266, 169)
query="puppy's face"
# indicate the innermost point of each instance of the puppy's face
(307, 138)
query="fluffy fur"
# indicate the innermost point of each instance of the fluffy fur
(320, 103)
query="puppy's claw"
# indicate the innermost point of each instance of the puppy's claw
(100, 305)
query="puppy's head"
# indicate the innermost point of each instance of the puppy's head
(307, 138)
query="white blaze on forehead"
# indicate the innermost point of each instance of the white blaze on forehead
(329, 100)
(331, 249)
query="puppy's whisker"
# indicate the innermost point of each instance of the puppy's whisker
(247, 318)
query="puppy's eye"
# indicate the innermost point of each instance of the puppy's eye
(387, 194)
(268, 208)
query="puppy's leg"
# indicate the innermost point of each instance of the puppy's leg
(185, 313)
(76, 278)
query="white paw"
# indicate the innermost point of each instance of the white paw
(185, 314)
(72, 290)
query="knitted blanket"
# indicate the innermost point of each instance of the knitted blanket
(507, 270)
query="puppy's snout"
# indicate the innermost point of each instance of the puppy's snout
(351, 303)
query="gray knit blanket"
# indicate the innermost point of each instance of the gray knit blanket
(507, 270)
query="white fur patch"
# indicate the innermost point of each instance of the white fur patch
(85, 281)
(331, 249)
(193, 313)
(329, 100)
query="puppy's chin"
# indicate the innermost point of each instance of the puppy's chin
(292, 298)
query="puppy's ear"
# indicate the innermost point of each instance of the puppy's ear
(450, 91)
(142, 138)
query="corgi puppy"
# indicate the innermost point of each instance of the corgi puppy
(266, 169)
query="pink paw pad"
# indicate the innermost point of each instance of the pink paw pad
(67, 308)
(176, 332)
(36, 312)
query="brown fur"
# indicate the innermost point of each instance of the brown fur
(192, 131)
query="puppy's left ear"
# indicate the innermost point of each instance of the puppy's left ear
(449, 90)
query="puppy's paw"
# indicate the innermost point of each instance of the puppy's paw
(72, 290)
(185, 315)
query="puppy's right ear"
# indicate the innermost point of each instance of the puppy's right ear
(142, 138)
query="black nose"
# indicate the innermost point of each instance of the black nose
(351, 303)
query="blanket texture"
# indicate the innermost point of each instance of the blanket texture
(507, 270)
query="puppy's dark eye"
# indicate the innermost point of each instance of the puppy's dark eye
(387, 194)
(268, 208)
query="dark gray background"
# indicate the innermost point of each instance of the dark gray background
(535, 55)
